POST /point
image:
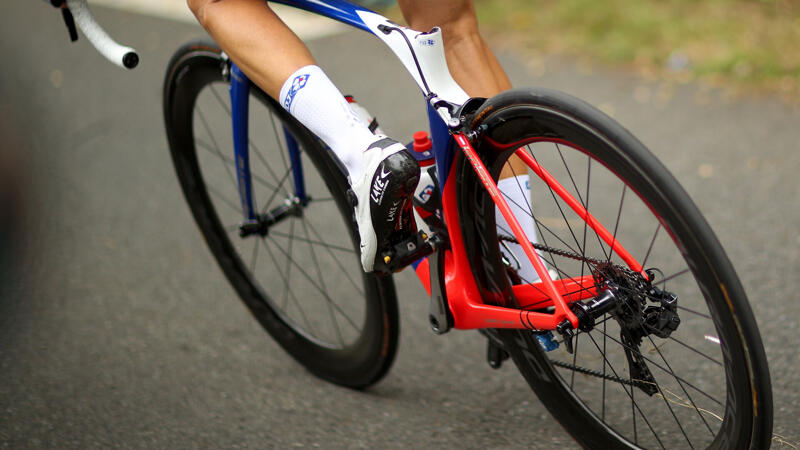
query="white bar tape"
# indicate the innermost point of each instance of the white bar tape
(118, 54)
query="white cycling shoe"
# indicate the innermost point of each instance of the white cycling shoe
(382, 200)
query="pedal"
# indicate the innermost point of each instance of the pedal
(405, 252)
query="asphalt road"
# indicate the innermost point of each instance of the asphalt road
(118, 329)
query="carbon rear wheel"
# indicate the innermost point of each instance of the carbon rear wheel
(300, 276)
(632, 380)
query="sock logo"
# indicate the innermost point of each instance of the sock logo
(298, 83)
(425, 194)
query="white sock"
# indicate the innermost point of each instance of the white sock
(517, 193)
(310, 96)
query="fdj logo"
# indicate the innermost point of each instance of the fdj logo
(426, 193)
(298, 83)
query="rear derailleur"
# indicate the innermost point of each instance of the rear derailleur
(625, 296)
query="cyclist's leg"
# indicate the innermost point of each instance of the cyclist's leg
(255, 37)
(476, 69)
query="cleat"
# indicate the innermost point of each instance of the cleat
(383, 201)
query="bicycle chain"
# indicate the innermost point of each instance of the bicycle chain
(592, 261)
(595, 373)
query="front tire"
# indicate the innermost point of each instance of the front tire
(302, 280)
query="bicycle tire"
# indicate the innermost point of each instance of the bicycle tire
(337, 321)
(599, 161)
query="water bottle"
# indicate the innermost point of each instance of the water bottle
(427, 199)
(362, 113)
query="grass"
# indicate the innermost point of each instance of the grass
(744, 44)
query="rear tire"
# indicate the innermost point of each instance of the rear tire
(303, 280)
(713, 386)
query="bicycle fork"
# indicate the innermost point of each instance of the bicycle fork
(255, 222)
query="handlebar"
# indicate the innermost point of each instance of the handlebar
(118, 54)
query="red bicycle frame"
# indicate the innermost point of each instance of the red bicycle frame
(463, 296)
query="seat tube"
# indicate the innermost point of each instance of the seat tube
(443, 152)
(239, 92)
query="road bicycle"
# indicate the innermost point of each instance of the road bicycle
(636, 331)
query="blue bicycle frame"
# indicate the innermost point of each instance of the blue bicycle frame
(345, 12)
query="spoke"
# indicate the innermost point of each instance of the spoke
(655, 364)
(206, 146)
(630, 394)
(696, 351)
(663, 397)
(322, 283)
(222, 198)
(582, 246)
(569, 173)
(215, 148)
(315, 242)
(315, 285)
(221, 101)
(540, 225)
(310, 328)
(675, 275)
(604, 378)
(338, 262)
(253, 258)
(682, 388)
(616, 225)
(633, 415)
(275, 130)
(694, 312)
(259, 155)
(586, 207)
(275, 193)
(557, 203)
(650, 248)
(289, 256)
(250, 142)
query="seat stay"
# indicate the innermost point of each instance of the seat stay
(575, 205)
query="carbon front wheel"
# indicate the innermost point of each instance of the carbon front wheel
(678, 361)
(300, 275)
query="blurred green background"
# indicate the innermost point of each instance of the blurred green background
(745, 45)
